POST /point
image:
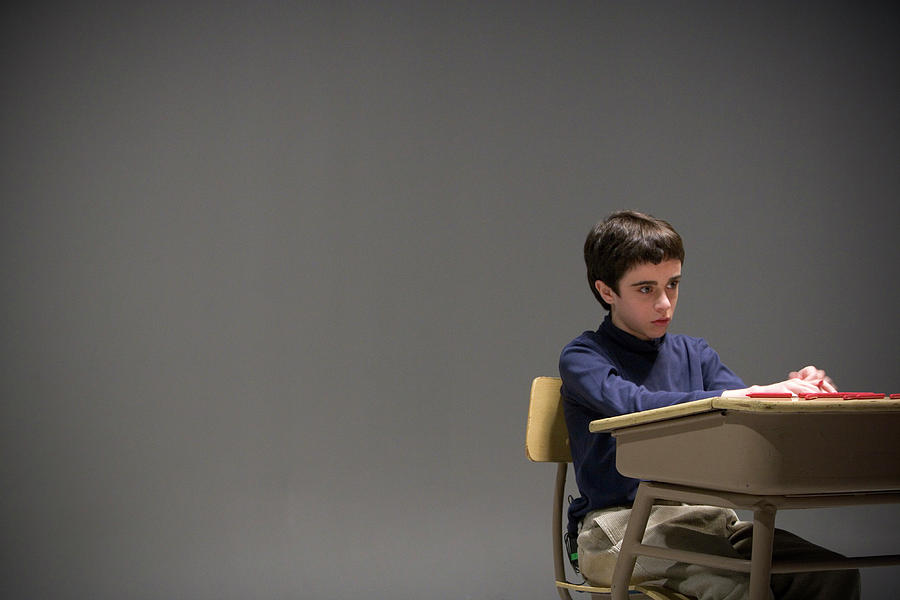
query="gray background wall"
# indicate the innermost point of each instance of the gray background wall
(276, 277)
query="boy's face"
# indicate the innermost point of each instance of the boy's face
(645, 304)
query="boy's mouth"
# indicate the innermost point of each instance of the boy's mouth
(661, 321)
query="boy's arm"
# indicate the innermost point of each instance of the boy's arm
(593, 382)
(716, 376)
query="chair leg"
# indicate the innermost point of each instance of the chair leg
(559, 568)
(761, 557)
(634, 536)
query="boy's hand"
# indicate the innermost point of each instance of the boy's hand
(817, 376)
(808, 380)
(793, 386)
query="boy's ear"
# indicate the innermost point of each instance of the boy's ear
(605, 291)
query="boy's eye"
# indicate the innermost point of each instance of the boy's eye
(644, 289)
(673, 285)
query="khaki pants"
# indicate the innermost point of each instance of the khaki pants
(710, 530)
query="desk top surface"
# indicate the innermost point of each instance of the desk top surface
(755, 405)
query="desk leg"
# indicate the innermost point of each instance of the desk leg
(634, 535)
(761, 557)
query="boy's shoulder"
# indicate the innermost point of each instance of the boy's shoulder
(589, 338)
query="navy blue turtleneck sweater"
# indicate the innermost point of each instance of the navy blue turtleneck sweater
(609, 372)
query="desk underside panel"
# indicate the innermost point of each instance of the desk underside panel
(764, 453)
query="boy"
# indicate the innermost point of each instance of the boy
(630, 364)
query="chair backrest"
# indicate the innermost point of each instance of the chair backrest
(546, 436)
(547, 440)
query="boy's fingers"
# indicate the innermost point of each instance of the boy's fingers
(828, 385)
(811, 373)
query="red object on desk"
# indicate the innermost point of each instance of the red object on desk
(843, 396)
(770, 395)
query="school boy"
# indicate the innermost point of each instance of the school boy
(631, 364)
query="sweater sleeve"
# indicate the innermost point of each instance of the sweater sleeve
(716, 376)
(592, 381)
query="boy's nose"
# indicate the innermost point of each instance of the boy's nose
(663, 303)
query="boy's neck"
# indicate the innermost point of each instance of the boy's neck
(629, 340)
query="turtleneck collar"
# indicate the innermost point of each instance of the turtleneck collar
(628, 341)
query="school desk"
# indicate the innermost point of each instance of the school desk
(760, 454)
